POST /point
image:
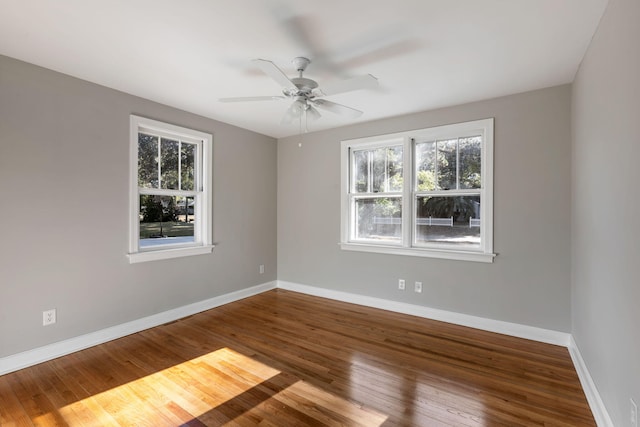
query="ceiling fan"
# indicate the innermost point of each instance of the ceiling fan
(306, 93)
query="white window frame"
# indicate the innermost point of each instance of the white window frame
(483, 253)
(202, 192)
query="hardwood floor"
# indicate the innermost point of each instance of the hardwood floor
(286, 359)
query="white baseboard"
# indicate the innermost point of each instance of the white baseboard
(498, 326)
(48, 352)
(596, 404)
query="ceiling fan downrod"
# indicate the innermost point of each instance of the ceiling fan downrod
(304, 85)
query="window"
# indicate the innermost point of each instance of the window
(170, 200)
(427, 192)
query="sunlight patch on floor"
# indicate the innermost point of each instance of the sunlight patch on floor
(210, 387)
(197, 386)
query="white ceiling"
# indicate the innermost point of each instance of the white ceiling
(425, 53)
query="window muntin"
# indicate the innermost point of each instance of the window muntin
(171, 193)
(421, 191)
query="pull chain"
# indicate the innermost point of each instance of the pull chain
(300, 143)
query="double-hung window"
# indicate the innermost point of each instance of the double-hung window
(427, 192)
(170, 194)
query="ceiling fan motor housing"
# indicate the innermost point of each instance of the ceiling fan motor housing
(304, 85)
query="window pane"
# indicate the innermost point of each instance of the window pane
(165, 220)
(361, 171)
(394, 168)
(470, 161)
(448, 220)
(187, 164)
(378, 219)
(378, 170)
(169, 164)
(147, 161)
(447, 164)
(425, 166)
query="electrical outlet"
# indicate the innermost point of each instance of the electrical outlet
(49, 317)
(633, 418)
(261, 268)
(418, 287)
(401, 284)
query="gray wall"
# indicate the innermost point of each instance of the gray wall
(529, 282)
(64, 147)
(606, 208)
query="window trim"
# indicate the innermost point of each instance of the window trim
(203, 230)
(407, 247)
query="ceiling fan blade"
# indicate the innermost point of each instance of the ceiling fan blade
(251, 98)
(356, 83)
(271, 70)
(337, 108)
(303, 30)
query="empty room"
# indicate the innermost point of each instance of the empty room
(295, 213)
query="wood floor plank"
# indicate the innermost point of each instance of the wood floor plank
(287, 359)
(12, 412)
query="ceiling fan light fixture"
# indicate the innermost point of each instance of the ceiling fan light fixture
(299, 105)
(295, 111)
(312, 113)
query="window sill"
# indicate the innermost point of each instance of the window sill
(420, 252)
(155, 255)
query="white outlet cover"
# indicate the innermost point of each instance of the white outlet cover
(48, 317)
